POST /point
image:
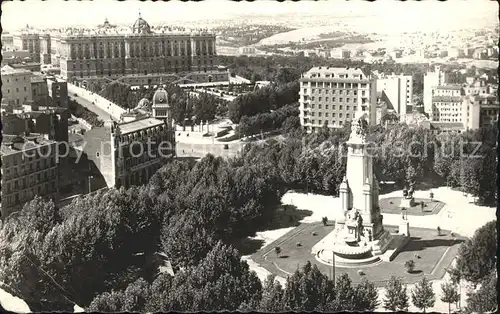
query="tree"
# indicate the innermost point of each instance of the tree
(366, 298)
(308, 290)
(324, 220)
(345, 294)
(455, 278)
(422, 295)
(272, 296)
(477, 255)
(449, 294)
(396, 297)
(485, 298)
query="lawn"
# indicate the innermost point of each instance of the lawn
(390, 205)
(435, 254)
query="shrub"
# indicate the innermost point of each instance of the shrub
(325, 221)
(410, 265)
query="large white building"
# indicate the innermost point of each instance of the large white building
(330, 96)
(399, 92)
(432, 79)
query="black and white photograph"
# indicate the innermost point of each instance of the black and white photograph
(249, 156)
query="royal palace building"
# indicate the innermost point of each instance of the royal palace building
(135, 56)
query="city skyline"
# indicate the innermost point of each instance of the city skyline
(411, 15)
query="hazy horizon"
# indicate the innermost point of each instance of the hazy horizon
(57, 13)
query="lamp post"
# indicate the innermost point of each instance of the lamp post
(90, 187)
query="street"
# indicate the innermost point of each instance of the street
(103, 115)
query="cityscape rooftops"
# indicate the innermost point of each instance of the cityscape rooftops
(8, 69)
(12, 144)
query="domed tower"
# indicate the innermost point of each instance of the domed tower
(160, 107)
(141, 26)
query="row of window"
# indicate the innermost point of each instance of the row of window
(335, 85)
(17, 90)
(16, 79)
(327, 114)
(26, 182)
(26, 161)
(334, 99)
(323, 122)
(335, 91)
(327, 107)
(25, 196)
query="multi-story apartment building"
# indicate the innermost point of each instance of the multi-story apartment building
(432, 79)
(399, 92)
(57, 91)
(480, 111)
(29, 168)
(446, 104)
(39, 90)
(51, 123)
(16, 85)
(28, 40)
(119, 152)
(330, 96)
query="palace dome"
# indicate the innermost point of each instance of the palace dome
(160, 97)
(141, 26)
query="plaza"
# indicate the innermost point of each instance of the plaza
(463, 223)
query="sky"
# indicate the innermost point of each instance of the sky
(17, 14)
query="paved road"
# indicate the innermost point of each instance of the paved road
(103, 115)
(200, 150)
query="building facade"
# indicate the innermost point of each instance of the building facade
(129, 152)
(399, 91)
(29, 168)
(432, 79)
(480, 111)
(330, 96)
(446, 104)
(16, 85)
(29, 41)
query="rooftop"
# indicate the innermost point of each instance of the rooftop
(321, 70)
(446, 98)
(37, 79)
(12, 144)
(447, 125)
(138, 125)
(450, 87)
(8, 70)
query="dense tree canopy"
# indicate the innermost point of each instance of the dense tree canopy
(477, 256)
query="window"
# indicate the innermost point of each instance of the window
(17, 89)
(326, 114)
(326, 107)
(347, 107)
(340, 115)
(319, 106)
(340, 107)
(340, 99)
(319, 114)
(326, 98)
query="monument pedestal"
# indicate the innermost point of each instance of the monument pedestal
(404, 227)
(407, 202)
